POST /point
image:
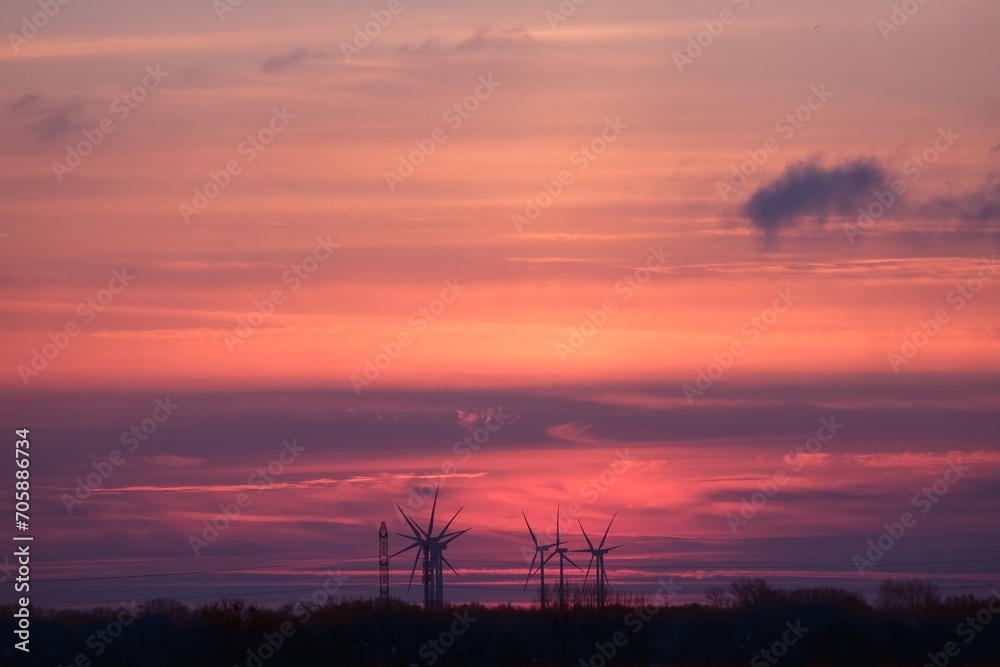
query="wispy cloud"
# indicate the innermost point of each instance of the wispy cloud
(511, 40)
(483, 40)
(979, 205)
(292, 59)
(171, 461)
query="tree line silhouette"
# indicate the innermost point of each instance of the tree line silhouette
(909, 623)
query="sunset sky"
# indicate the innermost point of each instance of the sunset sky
(641, 250)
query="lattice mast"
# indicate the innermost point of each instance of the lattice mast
(383, 567)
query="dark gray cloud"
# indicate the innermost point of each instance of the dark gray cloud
(29, 103)
(50, 118)
(808, 190)
(291, 59)
(50, 127)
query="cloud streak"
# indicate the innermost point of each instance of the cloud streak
(292, 59)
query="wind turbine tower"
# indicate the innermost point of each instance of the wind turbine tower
(540, 550)
(431, 547)
(562, 551)
(597, 554)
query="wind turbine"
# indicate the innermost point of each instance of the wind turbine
(562, 557)
(432, 547)
(597, 553)
(540, 549)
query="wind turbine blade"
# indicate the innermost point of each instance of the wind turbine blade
(409, 537)
(589, 543)
(448, 539)
(558, 541)
(450, 567)
(617, 547)
(416, 562)
(533, 538)
(430, 526)
(408, 521)
(415, 544)
(567, 558)
(447, 525)
(607, 531)
(413, 526)
(587, 576)
(541, 563)
(531, 570)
